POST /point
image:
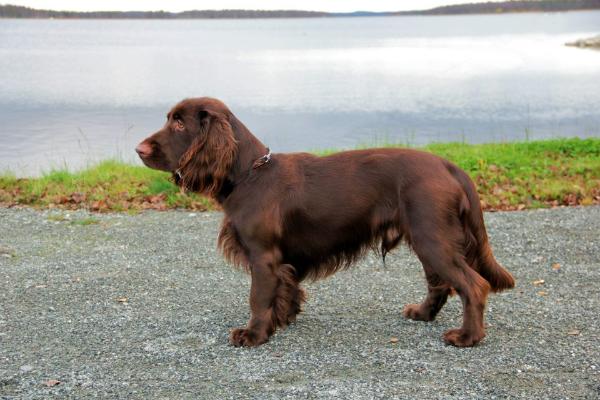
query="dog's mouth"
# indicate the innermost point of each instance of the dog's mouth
(154, 158)
(145, 160)
(153, 162)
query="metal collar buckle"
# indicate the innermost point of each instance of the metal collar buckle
(263, 160)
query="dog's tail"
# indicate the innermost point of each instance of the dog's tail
(477, 248)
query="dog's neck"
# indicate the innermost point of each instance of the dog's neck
(249, 147)
(249, 150)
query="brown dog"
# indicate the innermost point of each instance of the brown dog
(294, 216)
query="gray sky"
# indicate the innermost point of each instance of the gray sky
(181, 5)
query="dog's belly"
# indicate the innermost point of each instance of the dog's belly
(326, 243)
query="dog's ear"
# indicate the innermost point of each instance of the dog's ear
(205, 165)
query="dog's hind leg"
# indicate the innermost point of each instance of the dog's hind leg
(437, 294)
(436, 242)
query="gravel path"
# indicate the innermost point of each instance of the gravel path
(119, 306)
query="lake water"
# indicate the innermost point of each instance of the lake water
(74, 92)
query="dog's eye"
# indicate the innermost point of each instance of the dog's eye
(178, 121)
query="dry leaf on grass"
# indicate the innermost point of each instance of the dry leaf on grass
(52, 382)
(394, 340)
(538, 282)
(99, 205)
(78, 197)
(574, 332)
(122, 300)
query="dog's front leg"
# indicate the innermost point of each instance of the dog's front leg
(275, 297)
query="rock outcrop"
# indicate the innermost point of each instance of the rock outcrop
(593, 42)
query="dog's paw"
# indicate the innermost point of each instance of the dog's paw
(245, 337)
(415, 312)
(461, 338)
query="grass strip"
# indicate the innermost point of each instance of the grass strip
(509, 176)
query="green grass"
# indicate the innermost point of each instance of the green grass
(80, 222)
(508, 176)
(530, 174)
(85, 221)
(110, 185)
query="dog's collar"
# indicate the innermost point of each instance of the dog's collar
(262, 160)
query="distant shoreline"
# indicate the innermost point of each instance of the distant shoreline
(521, 6)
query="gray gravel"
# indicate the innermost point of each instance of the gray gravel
(121, 306)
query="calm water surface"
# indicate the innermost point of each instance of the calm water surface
(73, 92)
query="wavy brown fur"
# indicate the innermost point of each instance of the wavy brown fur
(231, 247)
(300, 216)
(205, 165)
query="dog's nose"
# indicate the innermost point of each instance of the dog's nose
(143, 149)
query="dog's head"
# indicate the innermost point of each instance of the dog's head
(196, 145)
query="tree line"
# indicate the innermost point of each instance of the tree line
(510, 6)
(12, 11)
